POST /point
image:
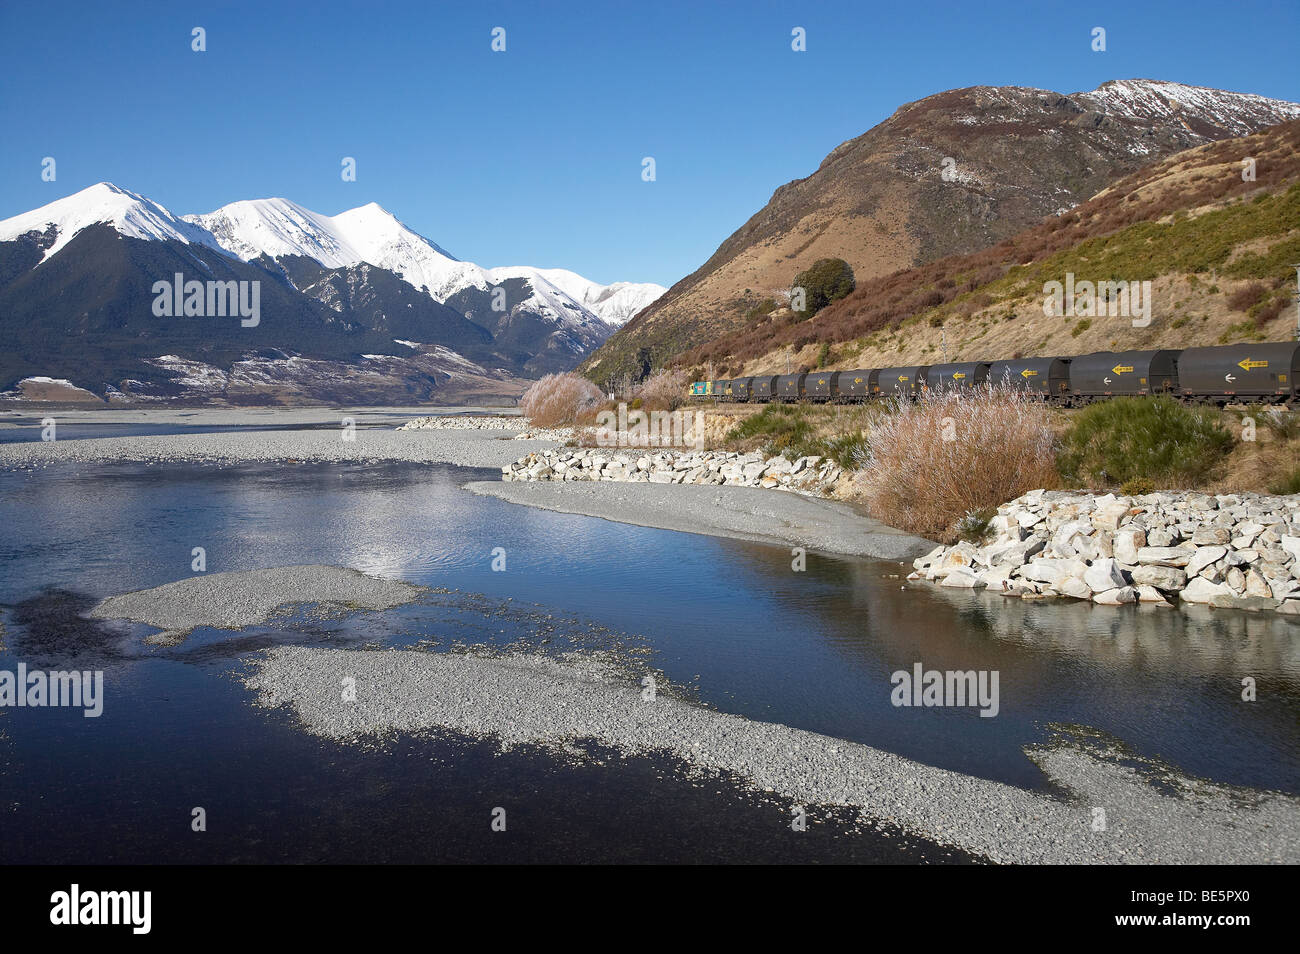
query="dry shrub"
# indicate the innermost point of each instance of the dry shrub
(663, 390)
(557, 400)
(1247, 296)
(999, 445)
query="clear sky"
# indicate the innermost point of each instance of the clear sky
(534, 156)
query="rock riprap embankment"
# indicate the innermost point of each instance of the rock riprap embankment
(1239, 551)
(523, 431)
(812, 475)
(465, 422)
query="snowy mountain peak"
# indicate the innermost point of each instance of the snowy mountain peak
(1239, 113)
(369, 234)
(102, 203)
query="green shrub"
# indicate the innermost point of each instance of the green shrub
(1156, 438)
(1137, 486)
(1289, 484)
(974, 527)
(788, 430)
(827, 280)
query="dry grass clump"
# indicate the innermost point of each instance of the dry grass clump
(557, 400)
(663, 390)
(930, 464)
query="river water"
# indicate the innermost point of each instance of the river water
(730, 622)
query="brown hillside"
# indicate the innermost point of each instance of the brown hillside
(881, 202)
(1216, 248)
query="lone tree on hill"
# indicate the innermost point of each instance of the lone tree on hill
(825, 281)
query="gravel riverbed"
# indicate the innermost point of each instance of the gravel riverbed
(741, 512)
(469, 448)
(556, 702)
(248, 597)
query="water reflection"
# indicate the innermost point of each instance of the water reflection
(811, 649)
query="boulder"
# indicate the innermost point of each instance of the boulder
(1200, 590)
(1121, 594)
(1149, 594)
(1168, 578)
(1165, 556)
(1252, 604)
(1126, 544)
(1104, 574)
(1203, 557)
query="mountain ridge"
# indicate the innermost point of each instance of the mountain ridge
(947, 174)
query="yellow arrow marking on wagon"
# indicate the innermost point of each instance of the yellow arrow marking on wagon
(1121, 368)
(1246, 364)
(958, 374)
(1027, 373)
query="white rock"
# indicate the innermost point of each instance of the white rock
(1104, 575)
(1122, 594)
(1200, 590)
(1203, 557)
(963, 577)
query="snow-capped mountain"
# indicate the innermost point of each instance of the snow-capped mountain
(350, 291)
(278, 228)
(130, 214)
(372, 235)
(615, 304)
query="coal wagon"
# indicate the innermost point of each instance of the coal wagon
(789, 387)
(819, 386)
(956, 377)
(764, 388)
(899, 382)
(851, 386)
(1264, 373)
(1115, 373)
(1048, 378)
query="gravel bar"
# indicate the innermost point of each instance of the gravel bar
(249, 597)
(556, 701)
(468, 448)
(767, 516)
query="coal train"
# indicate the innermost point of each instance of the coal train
(1241, 373)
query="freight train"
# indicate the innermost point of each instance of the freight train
(1242, 373)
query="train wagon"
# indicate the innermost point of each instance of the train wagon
(899, 382)
(1253, 372)
(720, 388)
(852, 386)
(763, 388)
(1112, 373)
(819, 386)
(1048, 378)
(956, 377)
(700, 388)
(740, 388)
(789, 387)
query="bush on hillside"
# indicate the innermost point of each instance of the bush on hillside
(1125, 439)
(934, 463)
(557, 400)
(827, 280)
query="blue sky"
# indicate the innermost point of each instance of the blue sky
(533, 156)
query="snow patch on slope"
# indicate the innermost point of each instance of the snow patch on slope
(1240, 113)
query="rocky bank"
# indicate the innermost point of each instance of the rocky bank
(1239, 551)
(809, 475)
